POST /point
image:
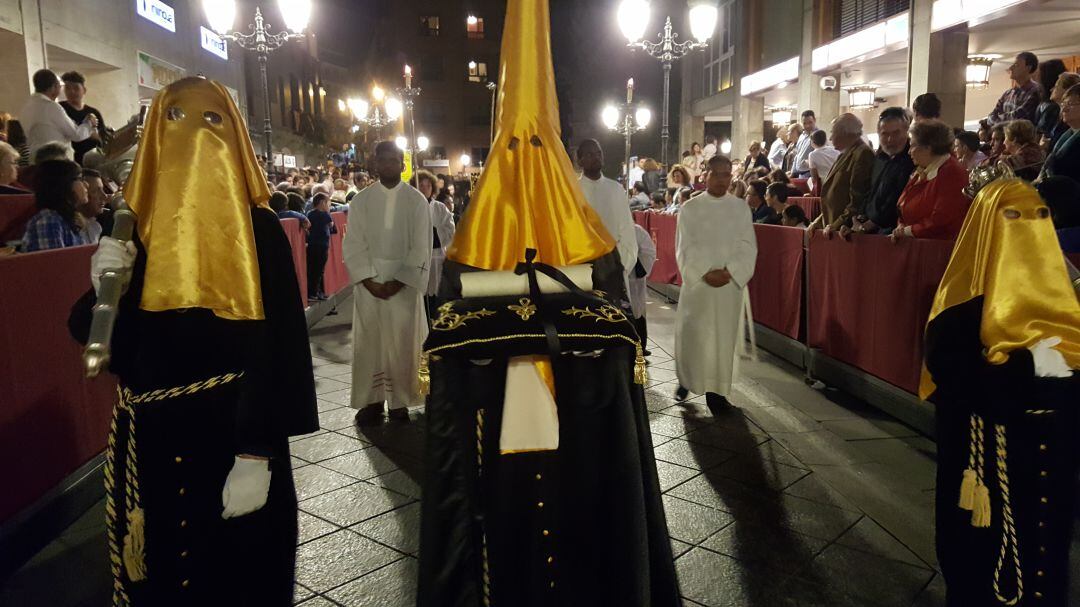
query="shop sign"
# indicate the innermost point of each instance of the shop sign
(157, 12)
(217, 45)
(157, 74)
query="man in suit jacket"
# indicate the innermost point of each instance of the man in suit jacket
(846, 189)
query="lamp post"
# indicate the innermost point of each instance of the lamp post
(633, 18)
(222, 13)
(409, 93)
(491, 86)
(378, 115)
(626, 119)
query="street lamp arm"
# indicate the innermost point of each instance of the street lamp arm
(669, 48)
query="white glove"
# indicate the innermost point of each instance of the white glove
(1048, 361)
(246, 487)
(110, 255)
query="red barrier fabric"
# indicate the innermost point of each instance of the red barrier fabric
(298, 242)
(642, 219)
(15, 211)
(869, 301)
(802, 184)
(336, 277)
(811, 205)
(777, 286)
(53, 419)
(662, 229)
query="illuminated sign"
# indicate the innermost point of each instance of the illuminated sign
(157, 12)
(214, 43)
(776, 75)
(882, 37)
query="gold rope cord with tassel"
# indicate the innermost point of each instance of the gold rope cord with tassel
(135, 538)
(486, 580)
(1009, 540)
(967, 486)
(423, 376)
(130, 554)
(119, 594)
(641, 371)
(980, 513)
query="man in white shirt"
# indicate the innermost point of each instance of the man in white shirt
(716, 251)
(637, 170)
(803, 148)
(821, 158)
(609, 201)
(710, 149)
(44, 121)
(779, 147)
(387, 252)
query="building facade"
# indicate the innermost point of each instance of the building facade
(776, 58)
(127, 49)
(452, 47)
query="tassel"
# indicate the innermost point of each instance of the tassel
(424, 375)
(135, 545)
(967, 490)
(641, 372)
(980, 515)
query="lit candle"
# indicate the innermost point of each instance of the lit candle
(630, 90)
(408, 77)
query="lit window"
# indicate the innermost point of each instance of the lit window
(429, 26)
(477, 71)
(474, 26)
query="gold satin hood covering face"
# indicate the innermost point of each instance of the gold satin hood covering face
(1008, 253)
(193, 185)
(528, 195)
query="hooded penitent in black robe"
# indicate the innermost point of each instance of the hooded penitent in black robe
(1037, 419)
(581, 525)
(195, 391)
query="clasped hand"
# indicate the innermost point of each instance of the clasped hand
(717, 278)
(383, 290)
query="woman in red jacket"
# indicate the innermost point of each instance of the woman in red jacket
(932, 204)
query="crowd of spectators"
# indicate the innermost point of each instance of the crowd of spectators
(44, 146)
(911, 185)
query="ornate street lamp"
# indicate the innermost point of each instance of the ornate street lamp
(409, 93)
(381, 113)
(633, 17)
(627, 119)
(222, 13)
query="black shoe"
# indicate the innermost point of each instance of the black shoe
(399, 415)
(681, 394)
(647, 353)
(716, 402)
(371, 415)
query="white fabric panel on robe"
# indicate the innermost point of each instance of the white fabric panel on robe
(646, 257)
(530, 420)
(712, 233)
(389, 238)
(609, 200)
(443, 220)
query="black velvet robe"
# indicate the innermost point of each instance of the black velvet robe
(582, 525)
(1041, 419)
(182, 447)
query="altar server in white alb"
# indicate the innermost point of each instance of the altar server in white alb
(443, 233)
(716, 251)
(639, 290)
(610, 202)
(388, 253)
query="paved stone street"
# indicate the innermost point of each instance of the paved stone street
(794, 497)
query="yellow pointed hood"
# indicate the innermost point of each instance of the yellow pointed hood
(193, 185)
(1008, 253)
(528, 196)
